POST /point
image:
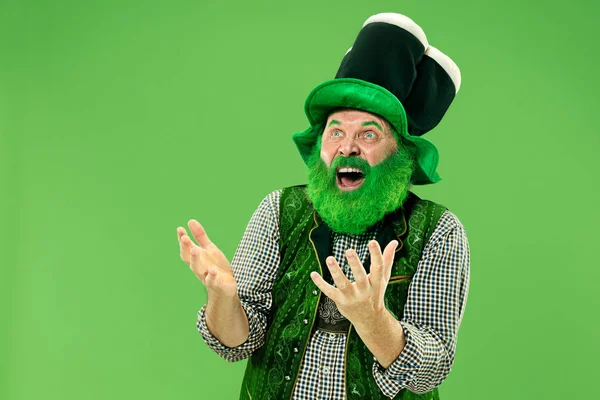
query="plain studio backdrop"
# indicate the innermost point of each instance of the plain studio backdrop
(120, 121)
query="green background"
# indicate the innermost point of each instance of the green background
(120, 121)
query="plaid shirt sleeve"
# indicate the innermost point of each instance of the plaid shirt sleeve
(432, 314)
(254, 265)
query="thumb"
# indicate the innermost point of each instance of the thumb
(211, 277)
(219, 258)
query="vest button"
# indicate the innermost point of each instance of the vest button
(305, 322)
(315, 292)
(295, 349)
(287, 378)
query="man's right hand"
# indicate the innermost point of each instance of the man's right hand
(207, 262)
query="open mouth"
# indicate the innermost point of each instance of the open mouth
(349, 178)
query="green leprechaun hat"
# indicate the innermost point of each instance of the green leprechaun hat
(391, 70)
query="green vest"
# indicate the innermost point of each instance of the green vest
(272, 370)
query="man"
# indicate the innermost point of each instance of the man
(310, 296)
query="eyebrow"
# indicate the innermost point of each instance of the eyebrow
(334, 122)
(372, 123)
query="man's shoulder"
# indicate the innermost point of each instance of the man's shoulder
(294, 188)
(450, 220)
(288, 195)
(412, 196)
(446, 223)
(447, 219)
(271, 201)
(294, 192)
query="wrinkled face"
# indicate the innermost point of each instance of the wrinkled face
(355, 133)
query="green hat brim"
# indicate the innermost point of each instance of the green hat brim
(366, 96)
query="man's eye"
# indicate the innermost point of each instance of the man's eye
(336, 133)
(370, 135)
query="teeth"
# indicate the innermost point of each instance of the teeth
(346, 169)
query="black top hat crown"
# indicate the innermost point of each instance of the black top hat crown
(392, 51)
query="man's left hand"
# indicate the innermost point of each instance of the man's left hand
(361, 301)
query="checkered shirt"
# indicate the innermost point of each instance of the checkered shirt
(435, 305)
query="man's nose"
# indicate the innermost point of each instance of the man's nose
(349, 147)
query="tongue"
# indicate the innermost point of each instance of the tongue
(350, 182)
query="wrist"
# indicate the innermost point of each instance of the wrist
(222, 296)
(375, 322)
(224, 303)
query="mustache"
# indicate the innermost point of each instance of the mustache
(351, 162)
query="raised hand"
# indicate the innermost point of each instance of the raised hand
(207, 262)
(361, 301)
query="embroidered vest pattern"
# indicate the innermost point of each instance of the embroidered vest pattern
(272, 370)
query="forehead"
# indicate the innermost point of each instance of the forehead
(352, 116)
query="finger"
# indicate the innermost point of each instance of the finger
(200, 234)
(381, 264)
(220, 282)
(199, 263)
(180, 232)
(325, 287)
(219, 258)
(340, 280)
(388, 257)
(195, 264)
(211, 278)
(377, 263)
(185, 244)
(360, 275)
(203, 240)
(207, 261)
